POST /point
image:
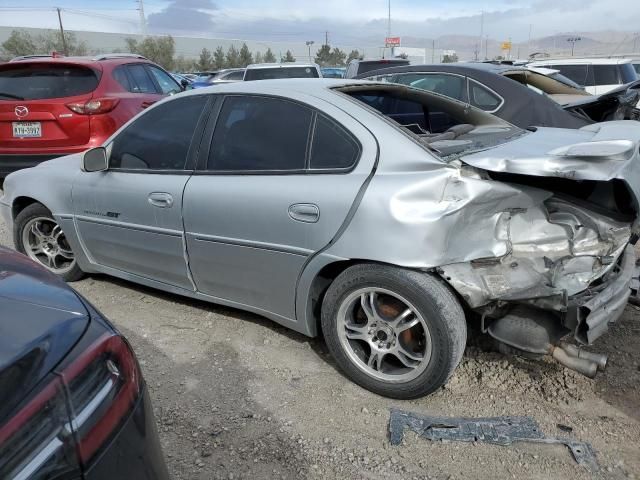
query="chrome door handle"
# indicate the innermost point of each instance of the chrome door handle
(304, 212)
(160, 199)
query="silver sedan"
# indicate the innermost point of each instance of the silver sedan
(381, 216)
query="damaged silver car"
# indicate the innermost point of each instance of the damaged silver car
(378, 215)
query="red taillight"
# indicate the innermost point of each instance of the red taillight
(94, 106)
(104, 383)
(34, 443)
(86, 402)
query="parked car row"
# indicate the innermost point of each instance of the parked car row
(353, 203)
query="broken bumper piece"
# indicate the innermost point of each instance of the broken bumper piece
(591, 312)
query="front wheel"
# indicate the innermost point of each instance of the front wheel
(396, 332)
(37, 234)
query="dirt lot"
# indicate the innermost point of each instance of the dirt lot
(237, 396)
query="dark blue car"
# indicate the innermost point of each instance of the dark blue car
(73, 403)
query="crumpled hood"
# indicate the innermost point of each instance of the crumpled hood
(603, 151)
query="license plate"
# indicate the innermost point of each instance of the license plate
(27, 129)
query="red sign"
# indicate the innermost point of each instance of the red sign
(392, 42)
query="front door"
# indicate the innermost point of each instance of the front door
(276, 184)
(129, 218)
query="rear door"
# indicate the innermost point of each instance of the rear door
(129, 218)
(274, 186)
(34, 104)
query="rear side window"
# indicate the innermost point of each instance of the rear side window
(332, 147)
(141, 81)
(159, 139)
(120, 76)
(605, 74)
(451, 86)
(41, 81)
(260, 134)
(280, 72)
(483, 98)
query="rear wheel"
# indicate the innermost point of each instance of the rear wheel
(38, 235)
(396, 332)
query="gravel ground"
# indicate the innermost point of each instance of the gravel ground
(237, 396)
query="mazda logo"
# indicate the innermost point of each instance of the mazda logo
(21, 111)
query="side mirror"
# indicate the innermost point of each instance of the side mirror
(185, 84)
(95, 160)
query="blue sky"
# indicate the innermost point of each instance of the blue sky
(346, 20)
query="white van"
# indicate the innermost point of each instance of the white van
(596, 75)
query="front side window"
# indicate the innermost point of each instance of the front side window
(577, 73)
(332, 147)
(451, 86)
(605, 74)
(483, 98)
(167, 84)
(159, 139)
(236, 76)
(140, 79)
(260, 134)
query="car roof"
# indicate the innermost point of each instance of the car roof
(255, 66)
(111, 58)
(571, 61)
(380, 60)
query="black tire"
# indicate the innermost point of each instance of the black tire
(438, 306)
(22, 219)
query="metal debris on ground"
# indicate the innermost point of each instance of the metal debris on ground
(496, 430)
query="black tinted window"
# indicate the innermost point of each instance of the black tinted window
(280, 72)
(577, 73)
(332, 146)
(159, 139)
(142, 82)
(40, 81)
(364, 67)
(605, 74)
(260, 133)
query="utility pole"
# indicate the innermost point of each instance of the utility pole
(326, 37)
(486, 47)
(143, 20)
(64, 40)
(479, 50)
(433, 51)
(529, 41)
(389, 21)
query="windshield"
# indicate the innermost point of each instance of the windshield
(45, 80)
(280, 72)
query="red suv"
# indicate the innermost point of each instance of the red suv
(51, 107)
